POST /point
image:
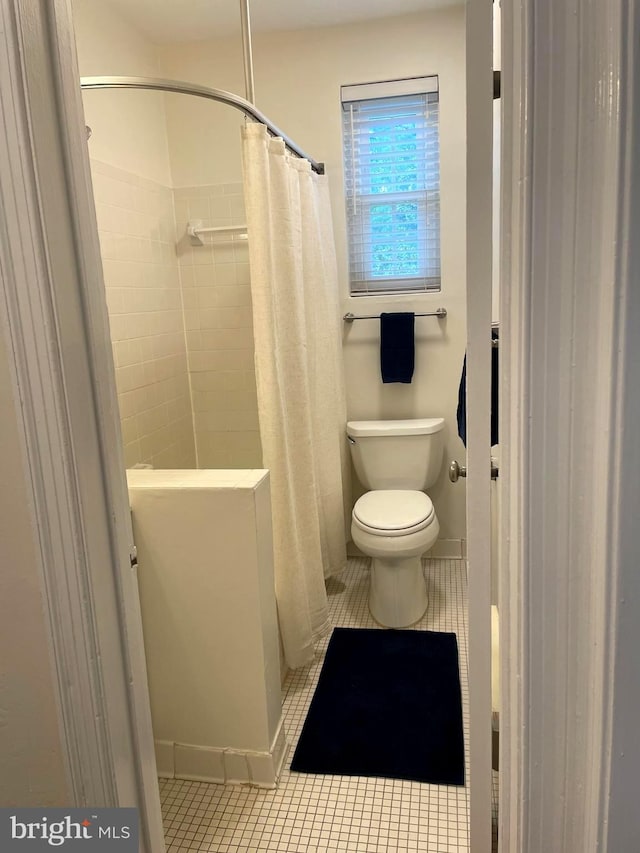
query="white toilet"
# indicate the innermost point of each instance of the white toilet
(395, 522)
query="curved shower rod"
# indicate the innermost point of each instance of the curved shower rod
(182, 88)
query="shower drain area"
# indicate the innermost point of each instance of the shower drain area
(322, 813)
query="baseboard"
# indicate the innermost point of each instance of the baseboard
(451, 549)
(353, 550)
(222, 766)
(165, 763)
(279, 749)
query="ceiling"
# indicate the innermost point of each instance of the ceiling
(170, 21)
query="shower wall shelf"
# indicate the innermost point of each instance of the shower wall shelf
(195, 228)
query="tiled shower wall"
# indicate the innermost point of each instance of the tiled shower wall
(217, 301)
(137, 238)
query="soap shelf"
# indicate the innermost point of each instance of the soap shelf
(195, 228)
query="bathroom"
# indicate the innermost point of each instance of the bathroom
(182, 329)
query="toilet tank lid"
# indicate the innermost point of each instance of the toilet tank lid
(413, 426)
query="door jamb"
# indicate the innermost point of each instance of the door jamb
(54, 318)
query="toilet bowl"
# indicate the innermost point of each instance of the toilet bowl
(395, 527)
(395, 522)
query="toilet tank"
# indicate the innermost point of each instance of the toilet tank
(405, 454)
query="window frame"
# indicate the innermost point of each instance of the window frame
(362, 279)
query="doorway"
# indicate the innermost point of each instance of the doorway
(127, 554)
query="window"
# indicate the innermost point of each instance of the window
(392, 181)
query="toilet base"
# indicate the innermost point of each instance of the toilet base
(398, 592)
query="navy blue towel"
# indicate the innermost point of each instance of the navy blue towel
(397, 350)
(462, 395)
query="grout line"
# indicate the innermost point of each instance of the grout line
(186, 343)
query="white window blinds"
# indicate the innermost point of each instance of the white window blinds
(392, 181)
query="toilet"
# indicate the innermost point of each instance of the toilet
(395, 522)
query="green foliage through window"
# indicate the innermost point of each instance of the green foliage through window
(392, 174)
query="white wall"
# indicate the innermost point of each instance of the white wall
(31, 755)
(129, 128)
(205, 551)
(298, 77)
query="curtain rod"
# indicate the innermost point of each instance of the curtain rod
(179, 87)
(247, 53)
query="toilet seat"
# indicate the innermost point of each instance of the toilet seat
(393, 512)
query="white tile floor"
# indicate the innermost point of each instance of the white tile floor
(495, 796)
(325, 813)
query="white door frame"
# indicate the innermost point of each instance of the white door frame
(571, 405)
(54, 319)
(479, 165)
(570, 460)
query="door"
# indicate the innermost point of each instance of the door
(135, 727)
(479, 25)
(54, 315)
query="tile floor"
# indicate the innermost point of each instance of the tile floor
(326, 813)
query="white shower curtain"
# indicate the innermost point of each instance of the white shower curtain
(301, 398)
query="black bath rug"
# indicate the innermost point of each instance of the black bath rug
(387, 704)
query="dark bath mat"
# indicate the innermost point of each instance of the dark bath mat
(387, 704)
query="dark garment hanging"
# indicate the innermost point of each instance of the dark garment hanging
(397, 347)
(462, 394)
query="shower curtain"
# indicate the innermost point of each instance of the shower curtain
(301, 399)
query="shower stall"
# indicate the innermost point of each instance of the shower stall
(183, 345)
(221, 363)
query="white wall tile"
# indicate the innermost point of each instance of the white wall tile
(137, 237)
(219, 328)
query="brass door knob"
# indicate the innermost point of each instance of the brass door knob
(456, 471)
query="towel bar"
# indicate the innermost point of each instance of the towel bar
(349, 318)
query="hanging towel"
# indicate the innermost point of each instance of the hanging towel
(397, 349)
(461, 414)
(462, 395)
